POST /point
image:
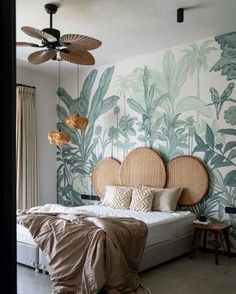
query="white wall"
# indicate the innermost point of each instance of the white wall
(69, 79)
(46, 100)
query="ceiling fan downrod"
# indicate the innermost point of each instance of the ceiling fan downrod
(51, 9)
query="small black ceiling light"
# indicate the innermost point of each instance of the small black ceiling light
(180, 15)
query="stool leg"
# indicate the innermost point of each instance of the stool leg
(227, 242)
(216, 247)
(195, 231)
(204, 240)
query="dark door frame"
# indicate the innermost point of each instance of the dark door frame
(7, 154)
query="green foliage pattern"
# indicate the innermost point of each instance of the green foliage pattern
(150, 107)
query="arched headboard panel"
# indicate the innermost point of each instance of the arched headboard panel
(143, 166)
(106, 172)
(191, 174)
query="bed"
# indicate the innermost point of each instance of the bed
(169, 232)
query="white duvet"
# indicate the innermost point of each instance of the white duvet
(150, 218)
(162, 226)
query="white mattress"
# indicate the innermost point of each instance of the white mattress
(162, 226)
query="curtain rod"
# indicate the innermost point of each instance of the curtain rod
(26, 86)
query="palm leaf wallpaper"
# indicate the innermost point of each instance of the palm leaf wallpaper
(179, 101)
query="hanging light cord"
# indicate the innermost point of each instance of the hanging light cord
(59, 84)
(78, 81)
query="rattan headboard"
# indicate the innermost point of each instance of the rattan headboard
(106, 172)
(145, 166)
(191, 174)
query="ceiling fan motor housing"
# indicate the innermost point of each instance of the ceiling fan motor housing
(54, 32)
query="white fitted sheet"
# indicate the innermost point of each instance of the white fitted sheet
(162, 226)
(23, 235)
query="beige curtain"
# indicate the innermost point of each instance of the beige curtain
(26, 148)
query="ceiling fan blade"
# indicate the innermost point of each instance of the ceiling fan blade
(75, 47)
(85, 42)
(41, 56)
(26, 44)
(35, 33)
(81, 57)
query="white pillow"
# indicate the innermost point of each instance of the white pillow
(108, 194)
(165, 199)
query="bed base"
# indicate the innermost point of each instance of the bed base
(163, 252)
(153, 255)
(27, 254)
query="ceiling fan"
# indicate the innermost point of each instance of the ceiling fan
(70, 47)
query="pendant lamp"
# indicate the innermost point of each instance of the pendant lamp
(58, 137)
(76, 121)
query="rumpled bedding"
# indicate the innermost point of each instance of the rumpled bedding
(88, 254)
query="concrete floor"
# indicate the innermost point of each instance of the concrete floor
(181, 276)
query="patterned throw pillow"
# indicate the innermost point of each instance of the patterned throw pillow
(121, 197)
(141, 199)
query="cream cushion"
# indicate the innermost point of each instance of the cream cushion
(141, 199)
(118, 197)
(166, 199)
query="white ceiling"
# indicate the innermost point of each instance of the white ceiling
(127, 28)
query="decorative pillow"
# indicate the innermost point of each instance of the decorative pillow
(118, 196)
(108, 195)
(165, 199)
(141, 199)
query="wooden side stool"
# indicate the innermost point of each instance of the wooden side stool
(216, 228)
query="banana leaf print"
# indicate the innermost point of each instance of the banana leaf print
(174, 134)
(208, 206)
(219, 156)
(80, 158)
(230, 115)
(113, 135)
(216, 155)
(67, 159)
(126, 130)
(150, 124)
(102, 140)
(174, 131)
(226, 64)
(227, 198)
(175, 74)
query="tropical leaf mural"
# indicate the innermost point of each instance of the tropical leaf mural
(150, 123)
(78, 158)
(227, 63)
(181, 103)
(219, 100)
(197, 59)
